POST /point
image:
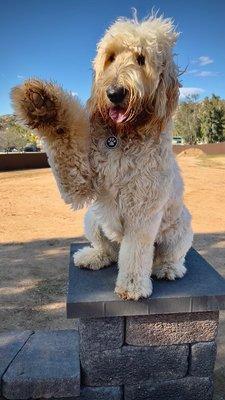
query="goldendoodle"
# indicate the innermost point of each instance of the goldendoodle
(116, 154)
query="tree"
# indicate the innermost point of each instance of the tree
(212, 119)
(187, 121)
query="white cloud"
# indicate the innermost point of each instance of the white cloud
(205, 60)
(205, 74)
(201, 73)
(74, 94)
(188, 91)
(20, 76)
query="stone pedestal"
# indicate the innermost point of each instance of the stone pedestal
(160, 356)
(159, 348)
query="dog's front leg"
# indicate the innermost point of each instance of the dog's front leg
(135, 261)
(63, 125)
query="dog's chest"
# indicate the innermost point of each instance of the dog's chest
(129, 176)
(114, 168)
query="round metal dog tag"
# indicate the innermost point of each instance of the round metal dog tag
(111, 142)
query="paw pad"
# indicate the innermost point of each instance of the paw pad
(37, 99)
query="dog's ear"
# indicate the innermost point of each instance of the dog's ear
(99, 60)
(167, 92)
(97, 64)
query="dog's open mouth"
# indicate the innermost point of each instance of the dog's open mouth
(117, 114)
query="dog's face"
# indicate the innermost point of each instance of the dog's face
(135, 78)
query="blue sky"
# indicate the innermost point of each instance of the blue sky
(56, 39)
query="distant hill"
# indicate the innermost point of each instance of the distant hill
(7, 120)
(14, 135)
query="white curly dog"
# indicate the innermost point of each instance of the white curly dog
(116, 154)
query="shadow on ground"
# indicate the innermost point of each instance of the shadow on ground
(33, 284)
(212, 247)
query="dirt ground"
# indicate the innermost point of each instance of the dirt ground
(36, 229)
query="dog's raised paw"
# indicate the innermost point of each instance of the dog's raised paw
(35, 102)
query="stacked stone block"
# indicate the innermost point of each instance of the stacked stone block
(168, 356)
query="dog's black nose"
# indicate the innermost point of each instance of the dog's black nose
(116, 94)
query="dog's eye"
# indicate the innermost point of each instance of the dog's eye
(141, 59)
(111, 58)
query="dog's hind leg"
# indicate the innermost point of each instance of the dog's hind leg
(102, 251)
(172, 247)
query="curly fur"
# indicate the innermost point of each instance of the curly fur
(137, 215)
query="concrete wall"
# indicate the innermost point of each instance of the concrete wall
(14, 161)
(213, 148)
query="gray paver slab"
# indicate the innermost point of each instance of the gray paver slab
(47, 366)
(10, 345)
(91, 293)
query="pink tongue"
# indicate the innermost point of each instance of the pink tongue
(117, 114)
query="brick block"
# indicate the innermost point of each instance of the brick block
(203, 356)
(101, 393)
(47, 366)
(10, 345)
(189, 388)
(165, 329)
(98, 334)
(134, 364)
